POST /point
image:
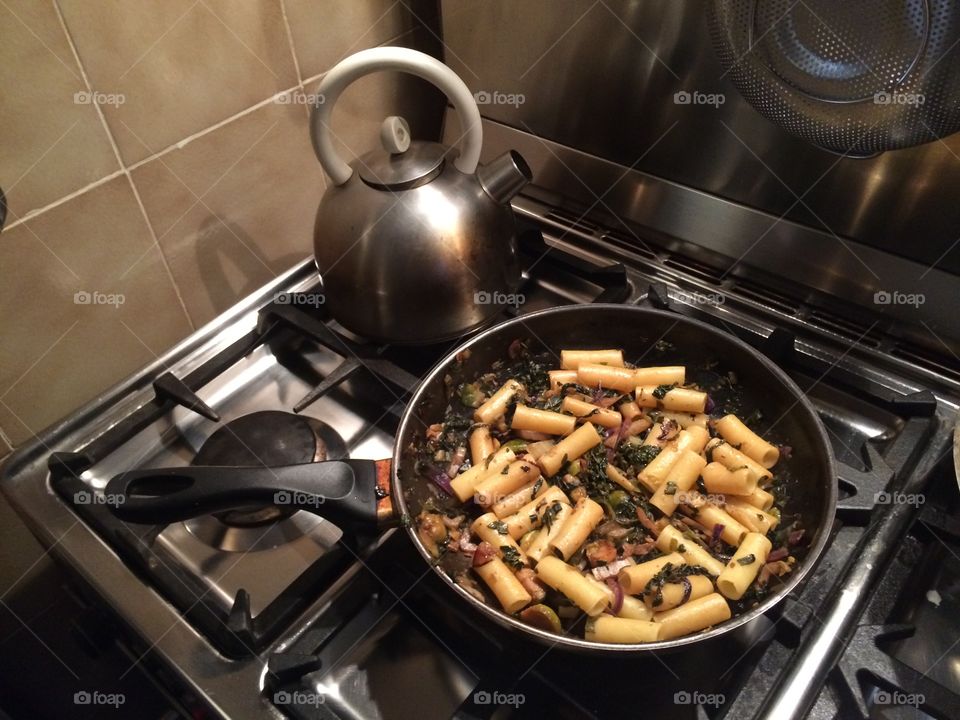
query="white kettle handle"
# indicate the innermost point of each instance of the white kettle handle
(392, 58)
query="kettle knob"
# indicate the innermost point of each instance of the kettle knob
(395, 135)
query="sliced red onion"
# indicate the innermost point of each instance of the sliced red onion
(617, 605)
(796, 537)
(611, 570)
(597, 395)
(459, 456)
(515, 349)
(484, 553)
(778, 554)
(786, 451)
(710, 405)
(715, 535)
(466, 546)
(442, 480)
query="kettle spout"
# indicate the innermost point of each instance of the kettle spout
(505, 177)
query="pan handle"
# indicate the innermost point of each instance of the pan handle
(348, 493)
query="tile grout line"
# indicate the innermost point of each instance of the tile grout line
(179, 145)
(124, 169)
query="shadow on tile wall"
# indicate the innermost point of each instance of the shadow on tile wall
(158, 168)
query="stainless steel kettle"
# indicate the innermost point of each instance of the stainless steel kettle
(414, 243)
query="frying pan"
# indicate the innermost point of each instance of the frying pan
(364, 494)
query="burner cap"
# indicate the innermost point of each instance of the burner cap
(265, 439)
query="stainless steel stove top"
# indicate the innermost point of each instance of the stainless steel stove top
(249, 620)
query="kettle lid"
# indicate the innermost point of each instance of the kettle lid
(401, 164)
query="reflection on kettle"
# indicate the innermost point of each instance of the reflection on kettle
(409, 235)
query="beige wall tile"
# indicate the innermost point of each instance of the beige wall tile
(326, 31)
(41, 124)
(259, 185)
(180, 65)
(57, 353)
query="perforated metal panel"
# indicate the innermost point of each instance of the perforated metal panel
(856, 77)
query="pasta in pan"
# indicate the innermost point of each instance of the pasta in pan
(590, 495)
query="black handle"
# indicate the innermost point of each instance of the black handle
(345, 492)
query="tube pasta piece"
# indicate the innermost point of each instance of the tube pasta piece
(695, 615)
(586, 515)
(686, 420)
(631, 607)
(670, 375)
(481, 445)
(587, 412)
(559, 512)
(466, 482)
(634, 579)
(732, 429)
(570, 448)
(683, 475)
(559, 378)
(606, 376)
(709, 516)
(752, 518)
(543, 421)
(653, 437)
(614, 475)
(572, 359)
(504, 584)
(693, 438)
(720, 451)
(518, 498)
(657, 469)
(528, 517)
(743, 567)
(489, 528)
(676, 400)
(760, 498)
(718, 479)
(630, 411)
(496, 486)
(673, 595)
(672, 540)
(567, 580)
(496, 405)
(610, 629)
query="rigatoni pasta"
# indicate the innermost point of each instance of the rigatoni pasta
(601, 490)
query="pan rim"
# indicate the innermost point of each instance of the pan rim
(815, 551)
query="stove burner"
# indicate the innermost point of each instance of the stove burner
(263, 439)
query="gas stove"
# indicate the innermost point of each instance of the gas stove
(265, 613)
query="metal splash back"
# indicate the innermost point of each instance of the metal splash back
(627, 116)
